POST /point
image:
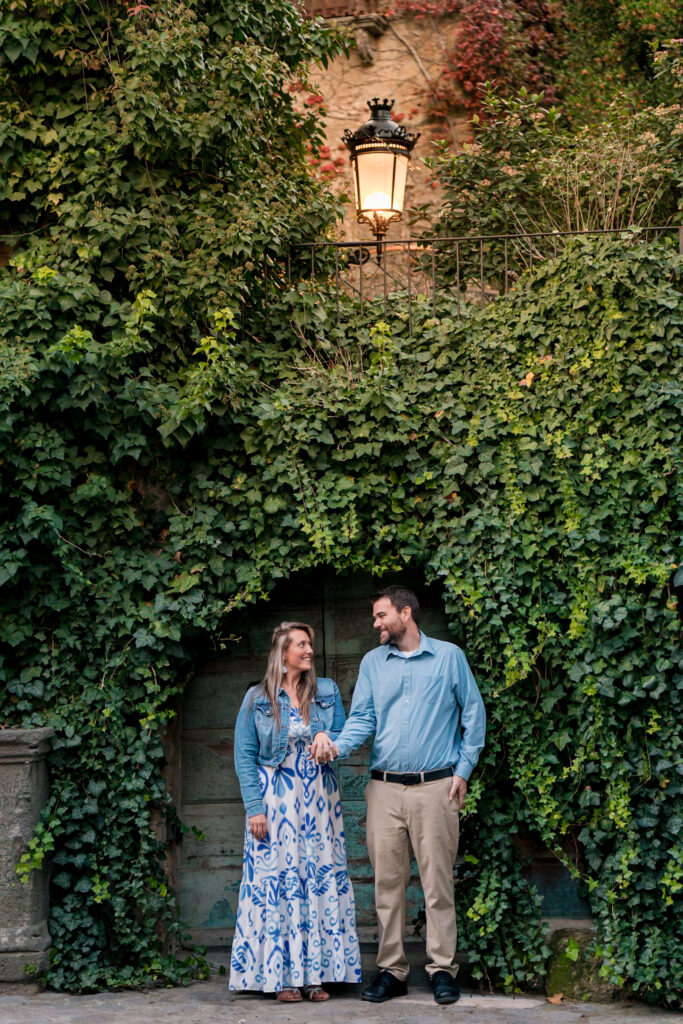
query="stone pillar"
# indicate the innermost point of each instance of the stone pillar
(24, 938)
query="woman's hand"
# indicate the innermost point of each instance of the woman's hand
(322, 749)
(258, 826)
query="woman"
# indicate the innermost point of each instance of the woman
(296, 918)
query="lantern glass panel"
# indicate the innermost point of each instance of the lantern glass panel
(400, 181)
(376, 182)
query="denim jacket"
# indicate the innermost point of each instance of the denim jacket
(257, 741)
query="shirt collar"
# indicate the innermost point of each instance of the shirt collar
(426, 647)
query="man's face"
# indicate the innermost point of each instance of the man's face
(391, 623)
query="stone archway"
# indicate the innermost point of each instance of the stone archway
(210, 869)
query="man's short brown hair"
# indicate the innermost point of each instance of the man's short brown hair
(400, 597)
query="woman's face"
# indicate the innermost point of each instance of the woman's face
(298, 656)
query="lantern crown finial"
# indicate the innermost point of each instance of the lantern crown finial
(380, 108)
(381, 126)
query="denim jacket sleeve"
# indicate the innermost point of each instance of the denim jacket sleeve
(246, 750)
(327, 710)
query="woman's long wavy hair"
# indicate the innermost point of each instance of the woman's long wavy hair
(272, 681)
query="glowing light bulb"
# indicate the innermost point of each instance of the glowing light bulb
(377, 201)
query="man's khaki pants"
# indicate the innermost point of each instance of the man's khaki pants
(419, 819)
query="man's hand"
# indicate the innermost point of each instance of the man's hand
(458, 791)
(258, 826)
(322, 749)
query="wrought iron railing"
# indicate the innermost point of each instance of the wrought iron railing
(468, 269)
(342, 8)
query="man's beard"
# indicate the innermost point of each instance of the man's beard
(392, 636)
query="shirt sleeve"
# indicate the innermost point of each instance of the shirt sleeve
(362, 721)
(472, 717)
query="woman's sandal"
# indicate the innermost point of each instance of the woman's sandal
(289, 995)
(316, 993)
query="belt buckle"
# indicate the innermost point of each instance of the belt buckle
(409, 778)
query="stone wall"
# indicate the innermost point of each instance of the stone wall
(24, 938)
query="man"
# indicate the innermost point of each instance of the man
(418, 697)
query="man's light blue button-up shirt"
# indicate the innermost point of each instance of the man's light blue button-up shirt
(423, 707)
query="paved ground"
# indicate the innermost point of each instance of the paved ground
(210, 1003)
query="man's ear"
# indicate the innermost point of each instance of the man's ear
(406, 613)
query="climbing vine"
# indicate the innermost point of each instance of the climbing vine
(586, 54)
(177, 434)
(527, 170)
(527, 461)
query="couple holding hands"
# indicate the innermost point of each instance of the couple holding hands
(295, 928)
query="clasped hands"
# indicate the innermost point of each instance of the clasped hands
(322, 749)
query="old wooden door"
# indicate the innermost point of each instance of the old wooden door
(338, 608)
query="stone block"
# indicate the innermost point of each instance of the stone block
(22, 967)
(577, 975)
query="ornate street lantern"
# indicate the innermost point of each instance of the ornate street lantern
(380, 154)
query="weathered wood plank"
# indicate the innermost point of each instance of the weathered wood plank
(200, 912)
(208, 766)
(346, 674)
(221, 912)
(213, 699)
(559, 890)
(353, 629)
(364, 893)
(353, 778)
(209, 769)
(215, 906)
(222, 825)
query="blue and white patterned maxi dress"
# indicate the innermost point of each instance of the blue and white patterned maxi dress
(296, 920)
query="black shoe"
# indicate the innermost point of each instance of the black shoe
(445, 987)
(385, 986)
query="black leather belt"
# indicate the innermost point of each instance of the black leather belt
(411, 778)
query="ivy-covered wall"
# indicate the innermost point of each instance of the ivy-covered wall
(525, 458)
(163, 463)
